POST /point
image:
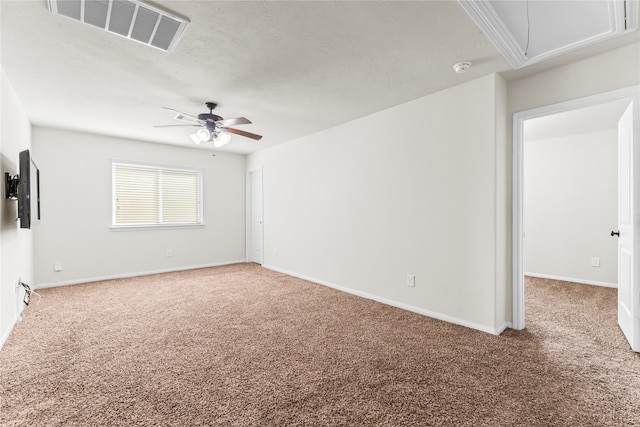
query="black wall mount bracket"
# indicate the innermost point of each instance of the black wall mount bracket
(11, 186)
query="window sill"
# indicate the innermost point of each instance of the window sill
(154, 227)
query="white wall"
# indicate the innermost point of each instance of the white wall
(76, 210)
(409, 190)
(16, 244)
(615, 69)
(570, 207)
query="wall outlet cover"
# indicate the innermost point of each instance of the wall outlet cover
(411, 280)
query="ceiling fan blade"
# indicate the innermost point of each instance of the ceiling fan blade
(182, 112)
(181, 117)
(234, 122)
(242, 133)
(168, 126)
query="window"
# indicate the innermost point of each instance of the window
(152, 196)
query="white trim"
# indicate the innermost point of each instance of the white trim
(485, 17)
(572, 279)
(248, 210)
(517, 269)
(16, 320)
(134, 274)
(19, 293)
(154, 165)
(154, 227)
(518, 306)
(5, 336)
(414, 309)
(503, 327)
(247, 214)
(632, 15)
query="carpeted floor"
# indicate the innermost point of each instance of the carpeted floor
(244, 346)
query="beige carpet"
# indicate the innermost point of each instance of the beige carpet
(244, 346)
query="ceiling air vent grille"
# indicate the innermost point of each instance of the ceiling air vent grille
(129, 18)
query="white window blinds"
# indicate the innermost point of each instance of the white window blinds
(145, 195)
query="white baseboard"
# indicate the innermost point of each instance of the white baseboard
(18, 317)
(424, 312)
(5, 335)
(126, 275)
(571, 279)
(393, 303)
(503, 327)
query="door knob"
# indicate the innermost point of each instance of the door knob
(615, 233)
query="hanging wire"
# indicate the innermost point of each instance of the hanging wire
(526, 49)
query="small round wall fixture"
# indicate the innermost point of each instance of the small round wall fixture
(462, 67)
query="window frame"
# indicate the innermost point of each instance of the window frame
(151, 226)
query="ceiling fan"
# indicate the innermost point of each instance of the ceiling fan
(212, 127)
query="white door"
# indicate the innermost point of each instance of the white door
(628, 289)
(255, 227)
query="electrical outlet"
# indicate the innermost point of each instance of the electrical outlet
(411, 280)
(275, 252)
(169, 253)
(57, 266)
(595, 262)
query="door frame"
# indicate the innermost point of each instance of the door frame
(633, 95)
(249, 211)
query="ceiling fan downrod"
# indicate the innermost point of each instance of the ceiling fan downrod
(209, 117)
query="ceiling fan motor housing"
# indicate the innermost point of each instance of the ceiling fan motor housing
(209, 116)
(210, 119)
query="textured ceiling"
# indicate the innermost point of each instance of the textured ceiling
(293, 68)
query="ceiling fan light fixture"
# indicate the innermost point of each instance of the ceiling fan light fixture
(195, 139)
(221, 139)
(203, 135)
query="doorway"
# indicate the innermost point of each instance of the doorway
(254, 227)
(570, 191)
(519, 119)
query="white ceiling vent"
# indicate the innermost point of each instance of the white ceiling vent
(128, 18)
(529, 31)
